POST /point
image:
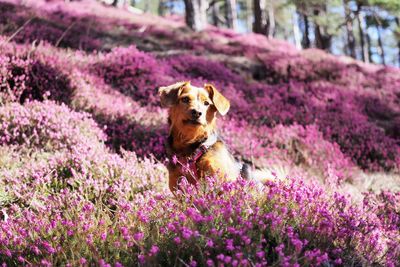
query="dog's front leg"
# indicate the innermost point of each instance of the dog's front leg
(212, 168)
(174, 176)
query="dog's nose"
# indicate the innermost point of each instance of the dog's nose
(195, 114)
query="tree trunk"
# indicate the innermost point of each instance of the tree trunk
(369, 45)
(215, 14)
(231, 14)
(296, 30)
(146, 7)
(259, 25)
(306, 35)
(216, 18)
(361, 31)
(162, 8)
(196, 14)
(271, 21)
(249, 15)
(118, 3)
(351, 42)
(397, 19)
(322, 38)
(381, 51)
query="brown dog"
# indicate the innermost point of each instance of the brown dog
(193, 144)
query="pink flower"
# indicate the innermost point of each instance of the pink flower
(138, 236)
(82, 261)
(174, 159)
(154, 249)
(103, 236)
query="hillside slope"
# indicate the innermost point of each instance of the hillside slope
(82, 138)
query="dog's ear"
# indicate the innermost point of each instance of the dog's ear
(220, 102)
(169, 94)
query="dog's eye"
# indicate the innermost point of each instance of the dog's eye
(206, 103)
(185, 99)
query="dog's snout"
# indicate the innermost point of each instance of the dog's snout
(195, 114)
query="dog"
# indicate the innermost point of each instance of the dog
(194, 146)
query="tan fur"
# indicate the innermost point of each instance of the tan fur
(217, 161)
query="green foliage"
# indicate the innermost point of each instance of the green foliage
(389, 5)
(373, 21)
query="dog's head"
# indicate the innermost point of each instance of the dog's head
(193, 108)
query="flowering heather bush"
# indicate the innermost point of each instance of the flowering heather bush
(287, 223)
(42, 30)
(54, 27)
(194, 67)
(130, 134)
(29, 77)
(386, 206)
(13, 78)
(290, 146)
(47, 126)
(132, 72)
(63, 207)
(363, 141)
(311, 149)
(82, 134)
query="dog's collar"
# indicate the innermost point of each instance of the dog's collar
(188, 163)
(203, 148)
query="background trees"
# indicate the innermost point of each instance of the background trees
(196, 14)
(367, 30)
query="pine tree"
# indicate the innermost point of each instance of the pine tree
(196, 14)
(260, 18)
(363, 34)
(270, 19)
(162, 7)
(214, 13)
(231, 14)
(379, 23)
(302, 10)
(118, 3)
(393, 7)
(397, 35)
(351, 41)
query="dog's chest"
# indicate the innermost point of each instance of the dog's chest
(215, 161)
(218, 161)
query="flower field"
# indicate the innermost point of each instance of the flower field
(82, 179)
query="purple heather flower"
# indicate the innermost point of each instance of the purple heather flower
(154, 249)
(138, 236)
